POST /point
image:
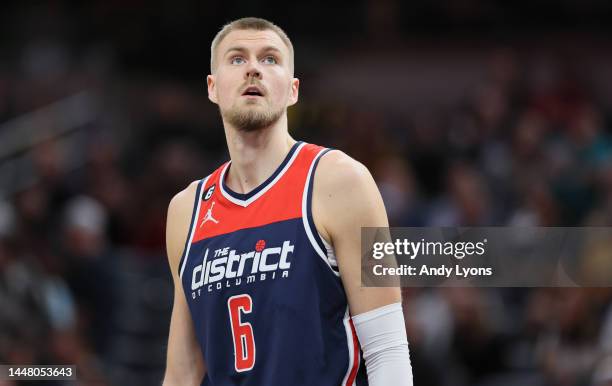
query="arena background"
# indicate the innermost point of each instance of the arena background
(467, 112)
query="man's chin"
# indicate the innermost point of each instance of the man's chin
(251, 119)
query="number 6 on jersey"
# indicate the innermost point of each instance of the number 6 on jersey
(242, 332)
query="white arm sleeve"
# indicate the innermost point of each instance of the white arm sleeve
(382, 334)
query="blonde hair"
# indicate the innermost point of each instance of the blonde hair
(249, 23)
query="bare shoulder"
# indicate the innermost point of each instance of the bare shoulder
(177, 223)
(337, 170)
(183, 198)
(345, 196)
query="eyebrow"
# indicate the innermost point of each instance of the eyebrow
(243, 49)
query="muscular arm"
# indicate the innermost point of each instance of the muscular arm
(184, 365)
(345, 199)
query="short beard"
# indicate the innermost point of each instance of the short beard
(247, 120)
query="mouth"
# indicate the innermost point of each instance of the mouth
(252, 91)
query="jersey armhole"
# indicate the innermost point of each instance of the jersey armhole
(323, 249)
(194, 215)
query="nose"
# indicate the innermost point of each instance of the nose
(253, 70)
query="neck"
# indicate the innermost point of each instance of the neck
(256, 155)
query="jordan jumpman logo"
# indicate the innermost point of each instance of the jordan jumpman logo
(208, 216)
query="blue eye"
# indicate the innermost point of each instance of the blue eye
(269, 60)
(237, 60)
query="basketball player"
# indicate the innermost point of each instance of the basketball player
(265, 251)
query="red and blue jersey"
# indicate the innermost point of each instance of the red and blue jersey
(262, 285)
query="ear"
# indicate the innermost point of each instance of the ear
(294, 93)
(212, 89)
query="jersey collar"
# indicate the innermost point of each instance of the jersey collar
(245, 199)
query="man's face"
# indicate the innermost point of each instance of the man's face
(252, 81)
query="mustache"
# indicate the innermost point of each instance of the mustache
(255, 83)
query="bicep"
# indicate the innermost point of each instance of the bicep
(346, 200)
(185, 364)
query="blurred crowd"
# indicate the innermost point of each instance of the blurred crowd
(83, 273)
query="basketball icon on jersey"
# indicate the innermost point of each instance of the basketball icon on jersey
(209, 216)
